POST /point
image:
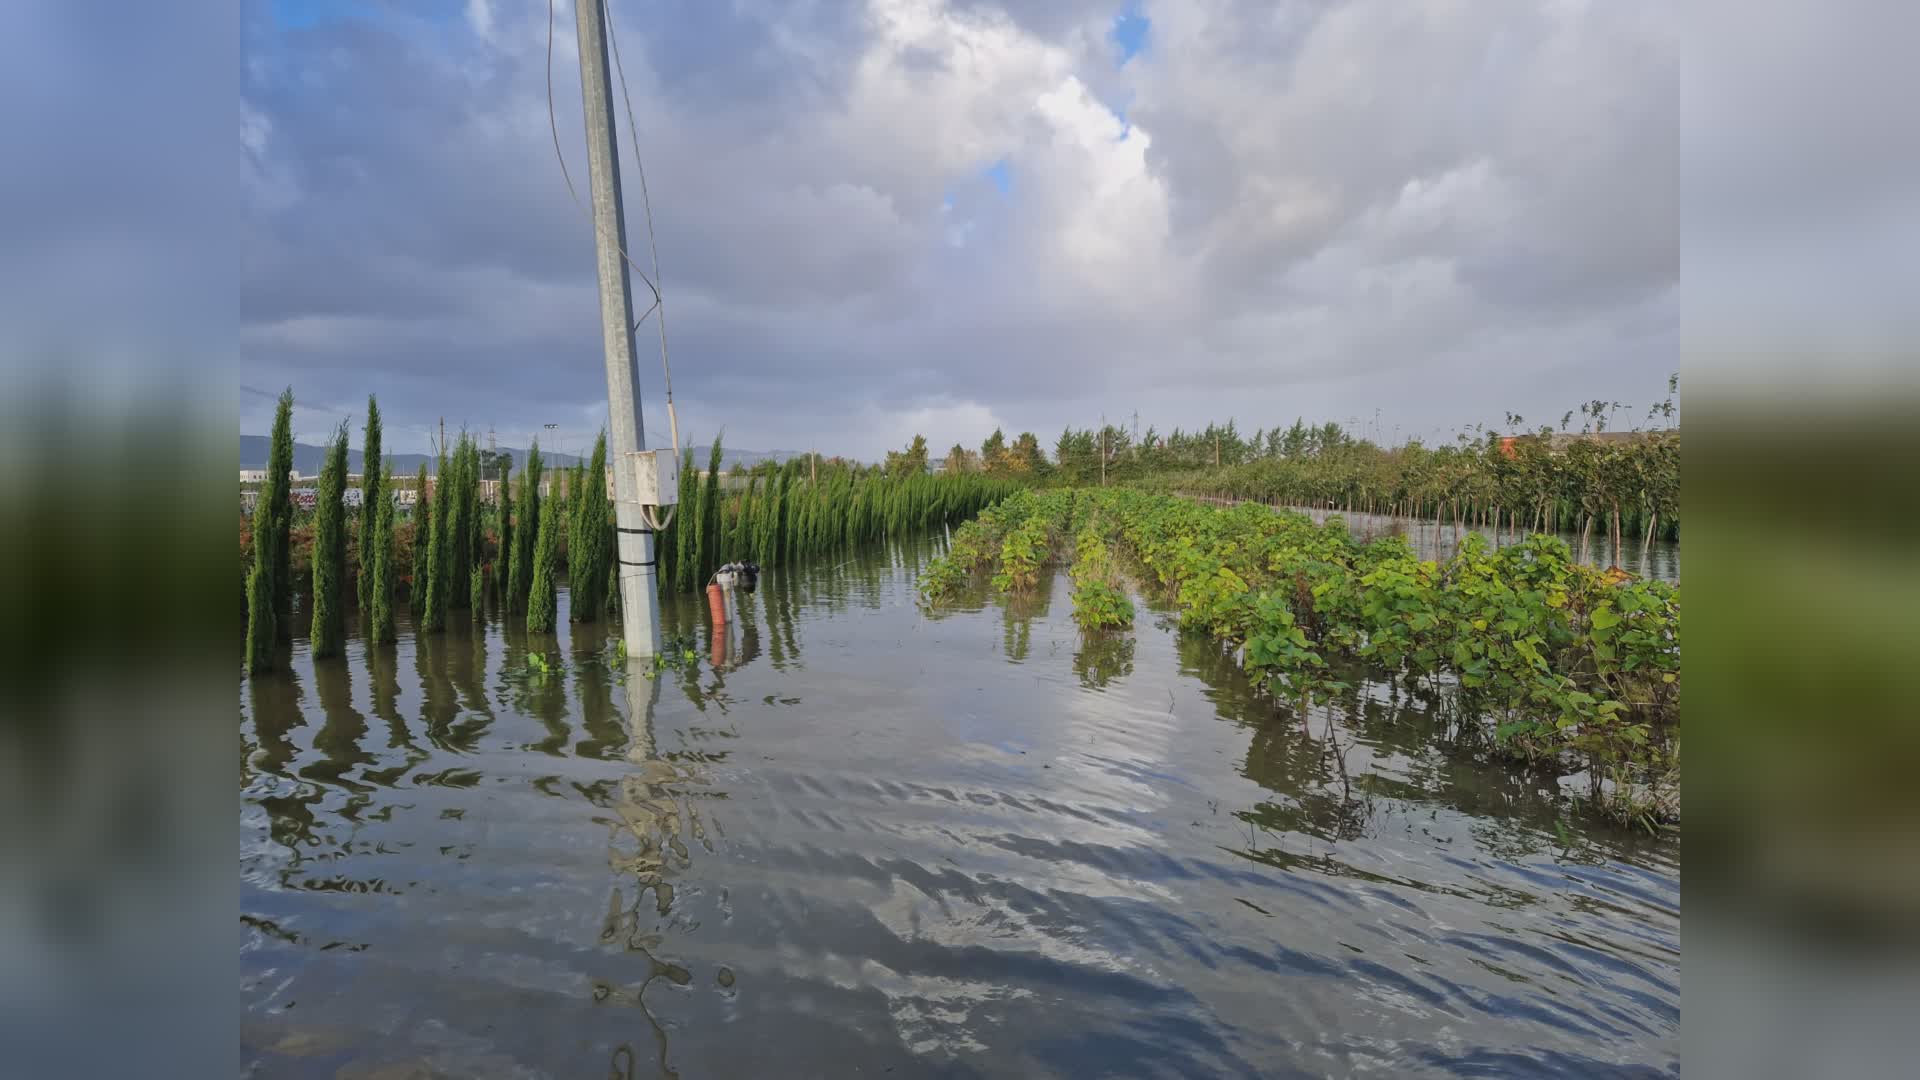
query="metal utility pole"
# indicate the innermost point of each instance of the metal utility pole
(634, 545)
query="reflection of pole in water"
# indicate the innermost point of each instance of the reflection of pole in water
(640, 708)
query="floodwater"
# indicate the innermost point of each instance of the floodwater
(847, 838)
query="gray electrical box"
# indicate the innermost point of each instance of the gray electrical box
(654, 480)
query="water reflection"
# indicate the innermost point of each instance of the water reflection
(1102, 657)
(841, 834)
(658, 822)
(1659, 560)
(338, 739)
(1018, 611)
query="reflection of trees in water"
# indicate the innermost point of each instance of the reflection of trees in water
(383, 676)
(606, 730)
(873, 569)
(1440, 763)
(780, 620)
(1017, 612)
(437, 706)
(341, 729)
(275, 698)
(1103, 656)
(542, 696)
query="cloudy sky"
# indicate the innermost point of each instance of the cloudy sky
(897, 216)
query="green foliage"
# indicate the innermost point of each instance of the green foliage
(380, 579)
(712, 553)
(1546, 657)
(520, 559)
(260, 637)
(269, 580)
(439, 560)
(464, 529)
(543, 596)
(589, 551)
(1026, 548)
(328, 632)
(1099, 600)
(423, 544)
(500, 565)
(373, 491)
(775, 513)
(278, 498)
(908, 462)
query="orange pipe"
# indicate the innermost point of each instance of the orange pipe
(717, 606)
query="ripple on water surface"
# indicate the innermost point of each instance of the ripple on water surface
(849, 836)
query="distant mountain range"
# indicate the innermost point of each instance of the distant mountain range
(308, 458)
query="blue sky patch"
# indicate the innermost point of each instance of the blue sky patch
(1130, 32)
(1000, 175)
(304, 14)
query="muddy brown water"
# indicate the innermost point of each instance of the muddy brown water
(850, 838)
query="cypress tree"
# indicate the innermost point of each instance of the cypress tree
(373, 489)
(686, 528)
(506, 534)
(279, 500)
(579, 608)
(587, 538)
(260, 620)
(454, 581)
(476, 530)
(380, 576)
(710, 540)
(520, 562)
(269, 592)
(542, 600)
(433, 610)
(330, 551)
(422, 542)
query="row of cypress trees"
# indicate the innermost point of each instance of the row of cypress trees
(785, 512)
(270, 581)
(804, 508)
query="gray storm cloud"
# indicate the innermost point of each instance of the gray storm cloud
(1440, 210)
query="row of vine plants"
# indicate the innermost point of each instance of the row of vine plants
(1547, 659)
